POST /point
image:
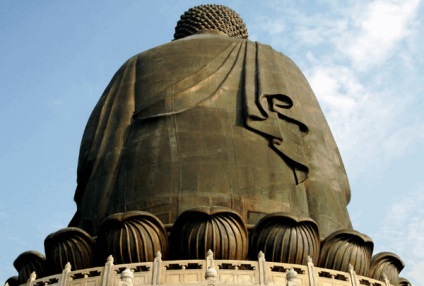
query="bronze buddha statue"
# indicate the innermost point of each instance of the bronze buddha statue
(210, 119)
(209, 144)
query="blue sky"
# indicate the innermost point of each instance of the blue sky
(363, 59)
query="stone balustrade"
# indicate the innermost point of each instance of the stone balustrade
(208, 272)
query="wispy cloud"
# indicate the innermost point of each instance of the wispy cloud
(369, 123)
(344, 48)
(364, 61)
(403, 231)
(377, 29)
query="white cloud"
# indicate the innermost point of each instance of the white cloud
(377, 30)
(357, 56)
(364, 62)
(360, 58)
(371, 100)
(319, 29)
(364, 121)
(274, 26)
(362, 103)
(403, 231)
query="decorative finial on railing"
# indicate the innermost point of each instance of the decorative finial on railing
(67, 266)
(127, 275)
(209, 260)
(291, 275)
(211, 274)
(32, 276)
(209, 253)
(309, 259)
(261, 255)
(110, 260)
(158, 257)
(350, 267)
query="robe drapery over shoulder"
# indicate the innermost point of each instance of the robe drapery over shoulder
(210, 120)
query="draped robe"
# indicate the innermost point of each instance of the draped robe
(210, 120)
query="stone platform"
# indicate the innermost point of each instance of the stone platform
(208, 272)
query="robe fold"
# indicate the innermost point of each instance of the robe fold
(210, 120)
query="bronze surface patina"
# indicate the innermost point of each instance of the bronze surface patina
(210, 120)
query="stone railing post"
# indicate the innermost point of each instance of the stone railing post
(291, 277)
(209, 259)
(127, 277)
(210, 274)
(353, 279)
(262, 268)
(157, 268)
(312, 276)
(386, 279)
(31, 279)
(64, 278)
(107, 271)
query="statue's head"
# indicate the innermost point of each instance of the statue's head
(210, 18)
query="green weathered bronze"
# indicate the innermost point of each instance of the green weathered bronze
(210, 120)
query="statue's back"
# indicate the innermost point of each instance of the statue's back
(199, 122)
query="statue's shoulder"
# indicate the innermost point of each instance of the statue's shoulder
(206, 43)
(270, 49)
(279, 56)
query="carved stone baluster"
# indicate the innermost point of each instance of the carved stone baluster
(31, 279)
(157, 268)
(262, 268)
(64, 278)
(210, 274)
(311, 272)
(354, 280)
(292, 279)
(127, 277)
(385, 279)
(108, 271)
(209, 259)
